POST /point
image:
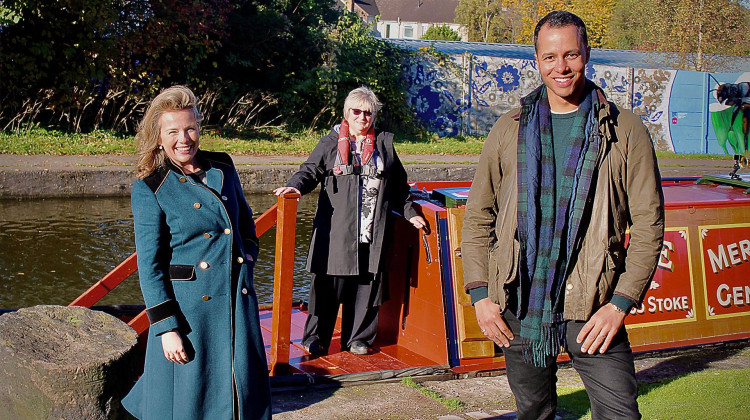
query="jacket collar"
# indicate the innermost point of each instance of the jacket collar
(532, 98)
(200, 156)
(603, 109)
(214, 178)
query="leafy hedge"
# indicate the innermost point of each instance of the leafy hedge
(94, 64)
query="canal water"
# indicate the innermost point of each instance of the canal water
(52, 250)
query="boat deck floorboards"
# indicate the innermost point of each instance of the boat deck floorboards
(383, 357)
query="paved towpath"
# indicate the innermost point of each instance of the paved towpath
(24, 163)
(68, 176)
(488, 397)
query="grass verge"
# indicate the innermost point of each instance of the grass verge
(263, 141)
(700, 156)
(719, 394)
(450, 403)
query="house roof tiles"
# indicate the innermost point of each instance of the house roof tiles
(425, 11)
(369, 7)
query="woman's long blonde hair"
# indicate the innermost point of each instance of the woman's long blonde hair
(150, 155)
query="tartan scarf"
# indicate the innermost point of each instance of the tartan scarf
(545, 220)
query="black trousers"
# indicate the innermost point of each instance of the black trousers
(358, 296)
(609, 378)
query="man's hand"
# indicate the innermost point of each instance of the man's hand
(174, 351)
(491, 323)
(599, 331)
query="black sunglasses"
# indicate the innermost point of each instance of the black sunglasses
(359, 111)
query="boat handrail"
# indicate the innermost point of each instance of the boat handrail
(283, 214)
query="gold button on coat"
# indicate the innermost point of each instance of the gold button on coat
(240, 260)
(206, 297)
(183, 179)
(569, 287)
(203, 265)
(227, 231)
(197, 205)
(207, 235)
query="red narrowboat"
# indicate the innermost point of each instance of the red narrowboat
(699, 295)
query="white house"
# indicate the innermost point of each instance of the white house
(406, 19)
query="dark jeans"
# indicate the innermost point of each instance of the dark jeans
(609, 378)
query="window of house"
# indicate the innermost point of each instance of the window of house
(387, 31)
(408, 31)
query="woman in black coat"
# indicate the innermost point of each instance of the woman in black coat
(362, 181)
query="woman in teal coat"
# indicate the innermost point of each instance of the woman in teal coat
(196, 245)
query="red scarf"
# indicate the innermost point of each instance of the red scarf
(344, 146)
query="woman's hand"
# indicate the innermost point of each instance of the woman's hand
(174, 351)
(418, 222)
(286, 190)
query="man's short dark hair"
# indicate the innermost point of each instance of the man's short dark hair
(559, 19)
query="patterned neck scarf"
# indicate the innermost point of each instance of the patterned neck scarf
(543, 217)
(363, 153)
(368, 146)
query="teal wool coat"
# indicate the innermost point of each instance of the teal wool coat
(192, 240)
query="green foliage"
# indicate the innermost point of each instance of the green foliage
(271, 47)
(441, 33)
(88, 64)
(354, 58)
(83, 64)
(7, 16)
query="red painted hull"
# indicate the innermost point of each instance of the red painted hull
(700, 293)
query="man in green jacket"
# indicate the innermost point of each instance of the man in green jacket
(559, 182)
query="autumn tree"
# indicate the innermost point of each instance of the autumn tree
(700, 33)
(514, 20)
(484, 20)
(596, 14)
(625, 30)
